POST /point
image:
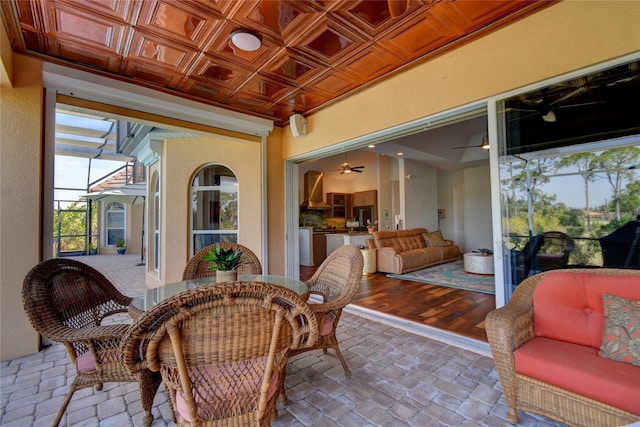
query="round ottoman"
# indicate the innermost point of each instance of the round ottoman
(477, 263)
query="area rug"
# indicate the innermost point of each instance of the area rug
(451, 274)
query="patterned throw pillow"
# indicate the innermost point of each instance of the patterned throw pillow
(621, 335)
(434, 239)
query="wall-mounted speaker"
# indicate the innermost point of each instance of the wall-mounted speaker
(298, 125)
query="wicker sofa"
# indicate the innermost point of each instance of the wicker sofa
(546, 343)
(402, 251)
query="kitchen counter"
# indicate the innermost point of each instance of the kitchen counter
(334, 241)
(317, 243)
(305, 235)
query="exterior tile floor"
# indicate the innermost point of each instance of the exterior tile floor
(399, 378)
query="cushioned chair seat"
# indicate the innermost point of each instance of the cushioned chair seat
(562, 364)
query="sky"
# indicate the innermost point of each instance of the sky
(571, 192)
(71, 172)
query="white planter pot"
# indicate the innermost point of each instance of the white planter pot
(226, 276)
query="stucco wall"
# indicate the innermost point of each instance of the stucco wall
(276, 204)
(182, 157)
(564, 37)
(20, 157)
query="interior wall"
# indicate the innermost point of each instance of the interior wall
(478, 232)
(385, 192)
(21, 113)
(182, 157)
(421, 195)
(446, 182)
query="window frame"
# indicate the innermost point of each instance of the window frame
(218, 235)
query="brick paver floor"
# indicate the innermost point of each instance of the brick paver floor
(399, 378)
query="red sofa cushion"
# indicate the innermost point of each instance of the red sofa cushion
(568, 305)
(580, 369)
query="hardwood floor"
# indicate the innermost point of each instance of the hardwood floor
(454, 310)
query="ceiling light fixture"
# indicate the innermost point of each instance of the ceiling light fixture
(485, 143)
(245, 40)
(549, 117)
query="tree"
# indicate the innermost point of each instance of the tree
(70, 225)
(630, 200)
(585, 163)
(538, 171)
(617, 165)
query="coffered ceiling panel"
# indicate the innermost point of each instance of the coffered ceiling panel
(311, 53)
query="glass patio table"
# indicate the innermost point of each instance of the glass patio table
(154, 296)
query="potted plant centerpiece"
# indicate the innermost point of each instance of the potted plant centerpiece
(371, 226)
(120, 246)
(225, 262)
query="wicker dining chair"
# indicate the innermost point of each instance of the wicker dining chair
(197, 268)
(554, 251)
(221, 349)
(67, 301)
(335, 282)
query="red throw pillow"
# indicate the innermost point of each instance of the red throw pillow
(621, 334)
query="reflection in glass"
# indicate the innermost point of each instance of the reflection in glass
(568, 179)
(214, 207)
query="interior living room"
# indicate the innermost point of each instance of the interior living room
(433, 161)
(481, 74)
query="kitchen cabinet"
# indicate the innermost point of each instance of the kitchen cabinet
(319, 247)
(341, 204)
(365, 198)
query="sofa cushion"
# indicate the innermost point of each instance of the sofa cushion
(568, 305)
(621, 336)
(434, 238)
(414, 259)
(411, 242)
(399, 240)
(450, 252)
(581, 370)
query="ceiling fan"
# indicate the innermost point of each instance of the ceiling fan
(545, 109)
(484, 145)
(347, 168)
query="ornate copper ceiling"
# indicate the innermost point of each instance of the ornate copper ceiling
(312, 52)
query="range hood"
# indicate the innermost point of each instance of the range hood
(313, 192)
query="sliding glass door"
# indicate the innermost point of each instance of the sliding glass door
(568, 155)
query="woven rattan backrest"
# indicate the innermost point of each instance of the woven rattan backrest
(63, 291)
(194, 338)
(338, 277)
(558, 241)
(197, 268)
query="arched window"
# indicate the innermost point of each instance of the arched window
(214, 207)
(155, 225)
(115, 215)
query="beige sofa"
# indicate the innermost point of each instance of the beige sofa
(402, 251)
